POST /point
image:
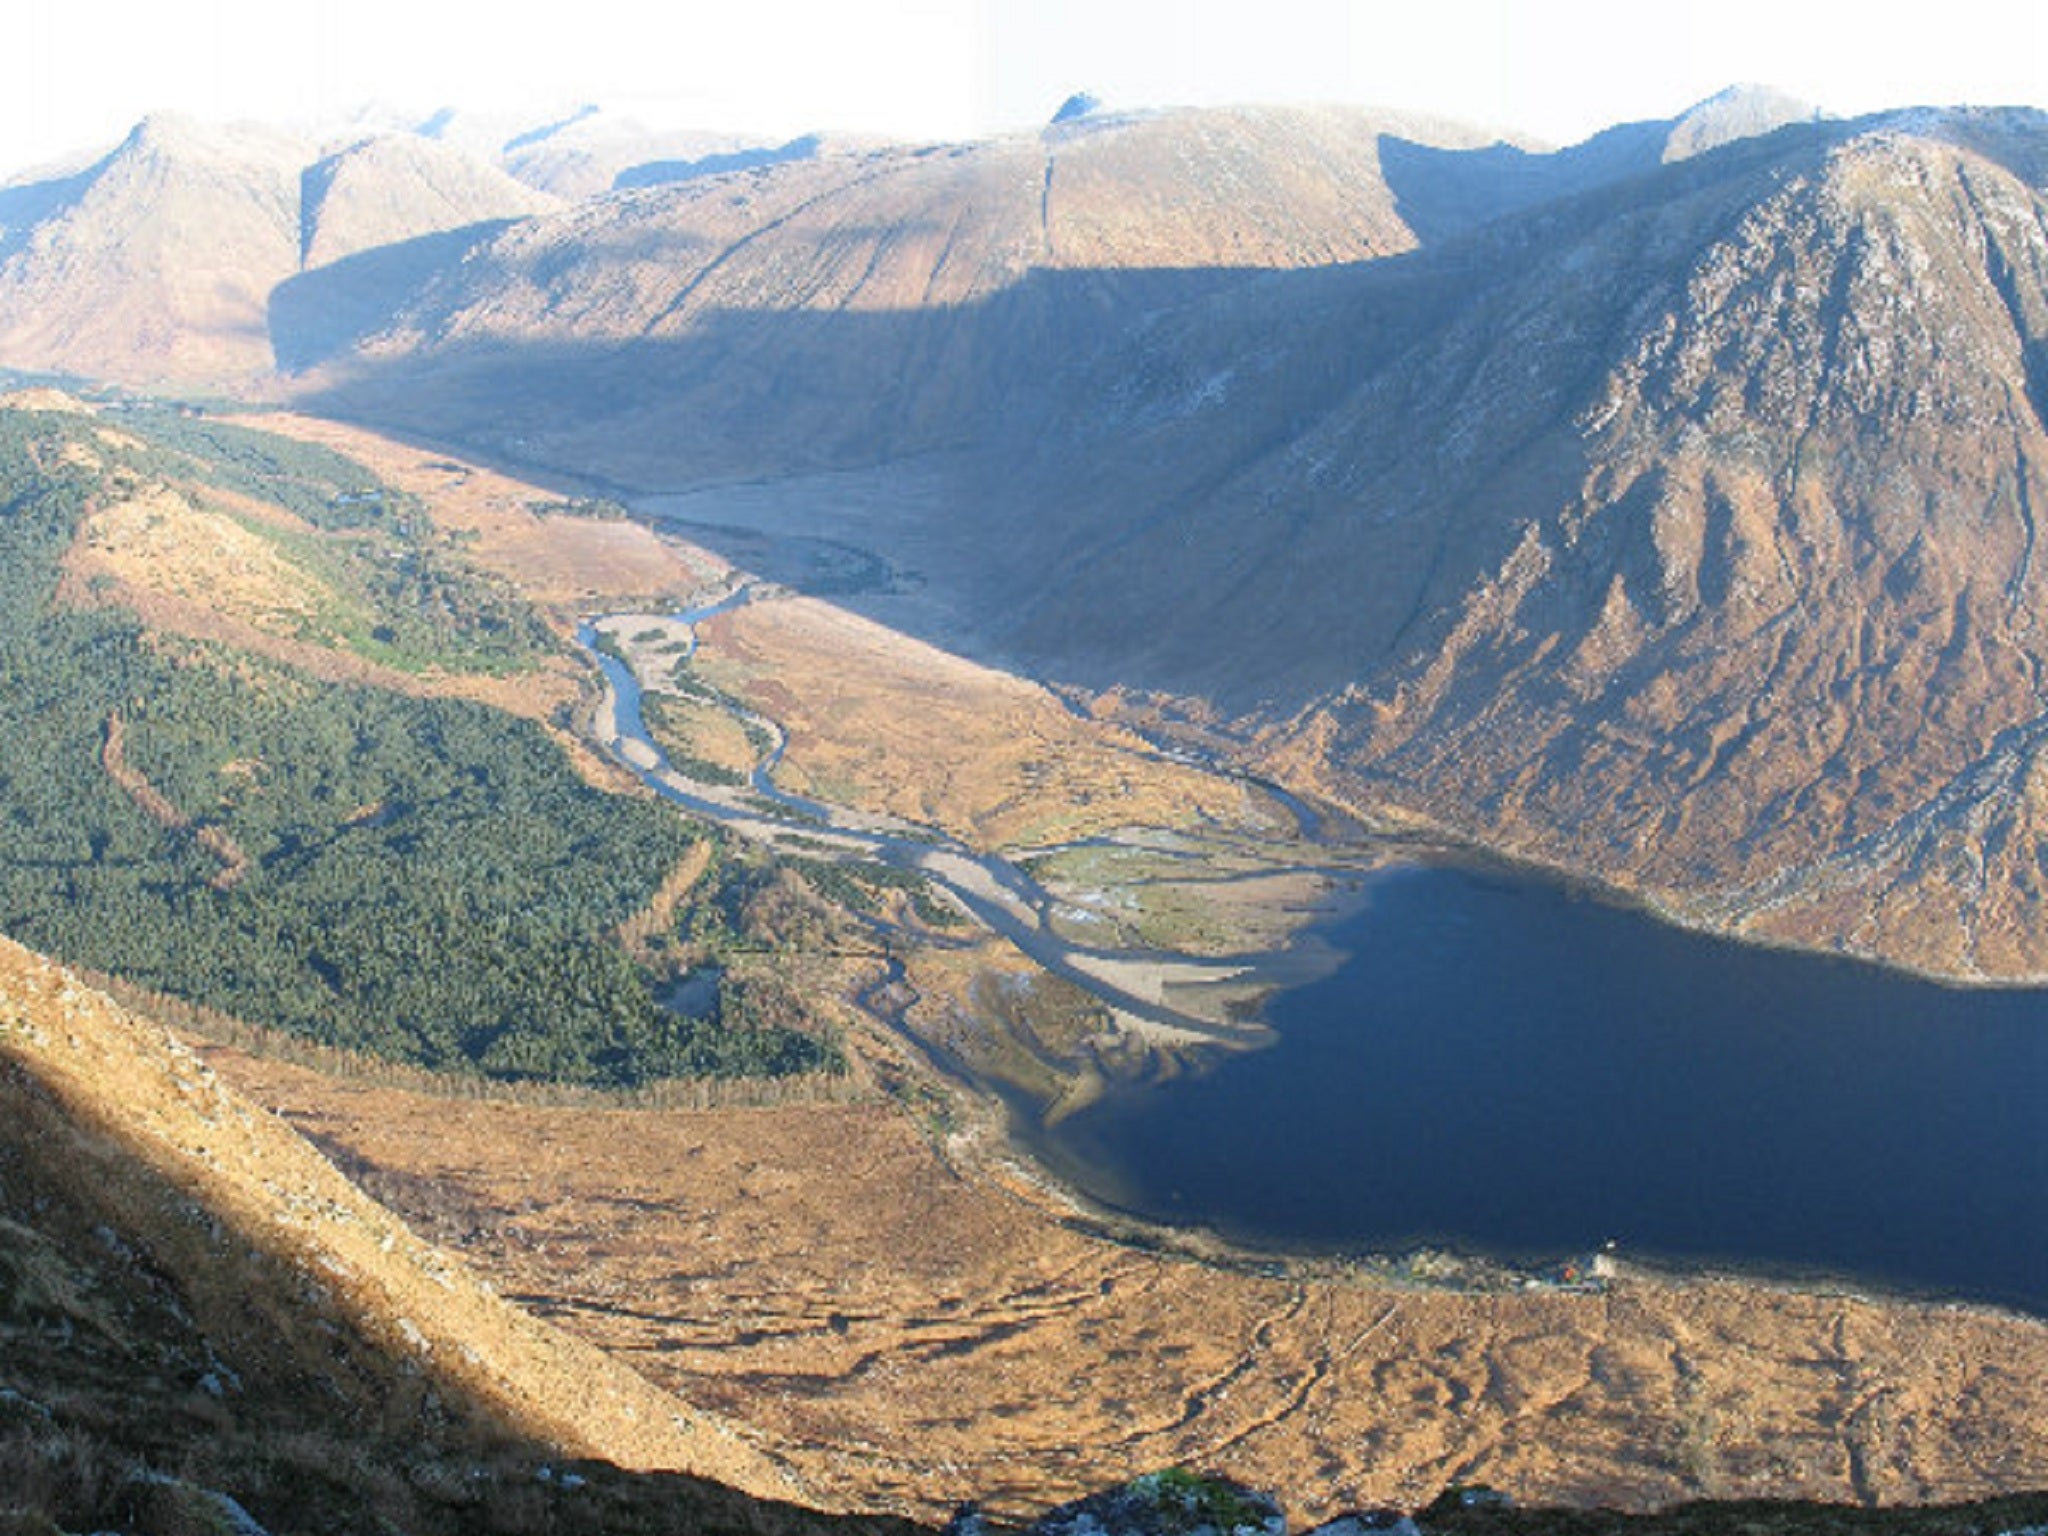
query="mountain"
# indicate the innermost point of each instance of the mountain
(1740, 112)
(158, 263)
(1676, 530)
(859, 306)
(155, 263)
(597, 151)
(1681, 535)
(1661, 508)
(396, 187)
(566, 151)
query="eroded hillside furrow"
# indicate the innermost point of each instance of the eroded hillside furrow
(678, 305)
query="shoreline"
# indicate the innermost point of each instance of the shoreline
(1028, 1137)
(1016, 1170)
(1363, 844)
(1427, 838)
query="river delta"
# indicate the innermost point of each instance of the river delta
(1476, 1060)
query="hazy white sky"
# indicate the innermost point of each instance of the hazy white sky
(83, 70)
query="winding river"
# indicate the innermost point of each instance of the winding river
(993, 890)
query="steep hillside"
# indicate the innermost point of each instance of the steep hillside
(156, 263)
(1787, 625)
(1682, 539)
(204, 1327)
(395, 187)
(195, 1304)
(860, 306)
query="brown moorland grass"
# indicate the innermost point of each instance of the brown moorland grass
(186, 569)
(884, 722)
(911, 1326)
(151, 1117)
(910, 1322)
(556, 560)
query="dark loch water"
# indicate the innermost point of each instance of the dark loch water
(1507, 1068)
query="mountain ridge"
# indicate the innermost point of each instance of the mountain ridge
(1659, 509)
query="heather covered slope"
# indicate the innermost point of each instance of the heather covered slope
(196, 1308)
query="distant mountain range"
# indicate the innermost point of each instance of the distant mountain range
(1662, 509)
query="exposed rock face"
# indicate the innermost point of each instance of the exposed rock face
(1167, 1503)
(1781, 643)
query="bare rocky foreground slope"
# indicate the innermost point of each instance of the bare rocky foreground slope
(192, 1292)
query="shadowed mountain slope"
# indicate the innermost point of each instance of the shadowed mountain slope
(195, 1303)
(863, 306)
(1686, 540)
(1662, 508)
(1679, 532)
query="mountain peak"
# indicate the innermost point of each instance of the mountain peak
(1738, 112)
(162, 127)
(1079, 105)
